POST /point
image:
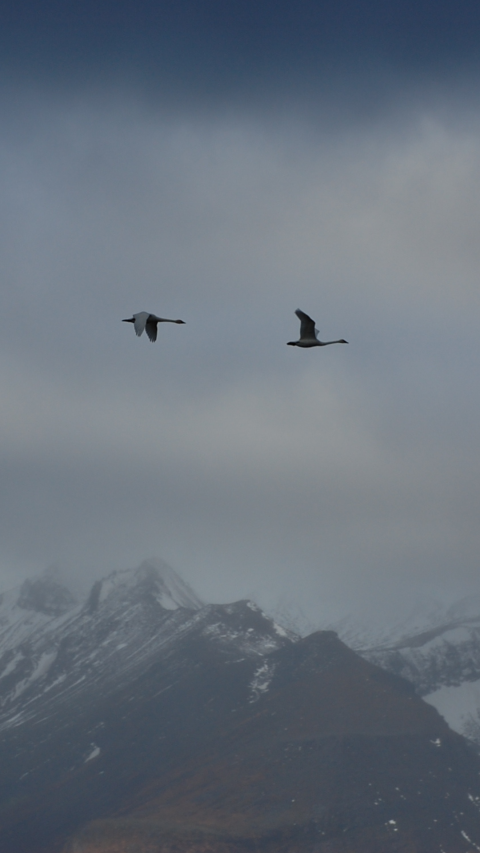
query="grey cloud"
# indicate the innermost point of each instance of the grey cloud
(331, 477)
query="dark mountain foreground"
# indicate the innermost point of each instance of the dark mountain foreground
(144, 722)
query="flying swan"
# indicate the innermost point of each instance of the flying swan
(308, 333)
(148, 323)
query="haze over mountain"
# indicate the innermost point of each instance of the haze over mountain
(227, 163)
(141, 719)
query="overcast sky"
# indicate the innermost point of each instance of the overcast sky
(226, 163)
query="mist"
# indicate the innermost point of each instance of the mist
(334, 478)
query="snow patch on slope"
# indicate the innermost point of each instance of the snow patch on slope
(94, 753)
(459, 705)
(12, 665)
(262, 678)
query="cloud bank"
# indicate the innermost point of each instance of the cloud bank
(332, 477)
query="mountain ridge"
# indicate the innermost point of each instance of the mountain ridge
(129, 725)
(440, 657)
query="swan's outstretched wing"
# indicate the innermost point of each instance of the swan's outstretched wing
(307, 326)
(151, 327)
(140, 322)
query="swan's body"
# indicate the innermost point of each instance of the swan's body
(145, 322)
(308, 333)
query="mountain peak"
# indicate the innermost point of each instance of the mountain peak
(173, 590)
(45, 594)
(153, 579)
(217, 722)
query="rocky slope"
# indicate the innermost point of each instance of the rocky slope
(438, 651)
(143, 721)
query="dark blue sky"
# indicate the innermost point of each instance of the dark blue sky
(230, 44)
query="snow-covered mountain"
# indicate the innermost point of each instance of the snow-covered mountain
(30, 607)
(141, 719)
(437, 649)
(47, 658)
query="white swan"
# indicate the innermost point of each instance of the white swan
(148, 323)
(308, 333)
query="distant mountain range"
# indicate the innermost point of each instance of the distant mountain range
(438, 650)
(142, 720)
